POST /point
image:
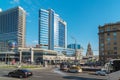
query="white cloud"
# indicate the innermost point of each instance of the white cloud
(15, 2)
(35, 41)
(0, 9)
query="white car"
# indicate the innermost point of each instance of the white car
(102, 73)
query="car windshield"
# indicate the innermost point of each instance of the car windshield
(24, 70)
(103, 70)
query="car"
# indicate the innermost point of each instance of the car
(21, 73)
(75, 69)
(64, 66)
(102, 73)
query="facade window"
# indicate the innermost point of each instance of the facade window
(102, 53)
(108, 34)
(108, 48)
(101, 30)
(114, 34)
(101, 40)
(102, 49)
(108, 39)
(115, 48)
(115, 43)
(108, 29)
(115, 52)
(114, 28)
(108, 43)
(108, 52)
(114, 38)
(101, 44)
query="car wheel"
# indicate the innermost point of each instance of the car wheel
(98, 74)
(20, 76)
(9, 75)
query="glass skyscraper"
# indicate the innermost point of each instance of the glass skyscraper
(52, 30)
(43, 28)
(12, 28)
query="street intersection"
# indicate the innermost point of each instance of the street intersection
(52, 74)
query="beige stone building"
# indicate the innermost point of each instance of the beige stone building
(109, 42)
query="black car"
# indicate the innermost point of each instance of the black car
(21, 73)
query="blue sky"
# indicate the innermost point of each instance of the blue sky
(82, 16)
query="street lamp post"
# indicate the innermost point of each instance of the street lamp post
(20, 57)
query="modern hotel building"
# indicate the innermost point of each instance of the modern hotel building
(52, 30)
(12, 28)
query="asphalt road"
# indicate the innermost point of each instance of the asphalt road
(52, 74)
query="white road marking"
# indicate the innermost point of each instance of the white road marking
(59, 72)
(37, 76)
(8, 78)
(5, 71)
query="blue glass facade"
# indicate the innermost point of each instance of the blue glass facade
(52, 30)
(43, 28)
(61, 34)
(56, 30)
(74, 46)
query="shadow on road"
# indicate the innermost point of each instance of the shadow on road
(5, 76)
(80, 78)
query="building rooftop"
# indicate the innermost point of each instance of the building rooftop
(19, 7)
(109, 24)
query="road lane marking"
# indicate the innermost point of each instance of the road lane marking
(8, 78)
(59, 72)
(37, 76)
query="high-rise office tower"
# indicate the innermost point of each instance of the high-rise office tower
(12, 28)
(52, 30)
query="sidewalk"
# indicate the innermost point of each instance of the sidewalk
(114, 76)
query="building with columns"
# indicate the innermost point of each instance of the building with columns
(35, 55)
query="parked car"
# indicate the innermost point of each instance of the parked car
(102, 73)
(21, 73)
(75, 69)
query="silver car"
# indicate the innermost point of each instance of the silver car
(102, 73)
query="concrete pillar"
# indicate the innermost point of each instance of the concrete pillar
(32, 55)
(20, 57)
(6, 58)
